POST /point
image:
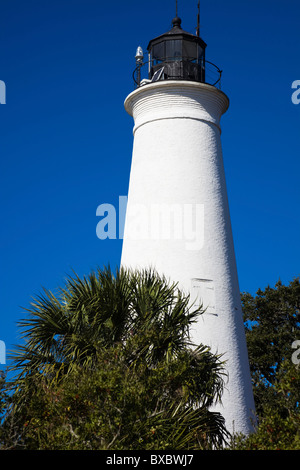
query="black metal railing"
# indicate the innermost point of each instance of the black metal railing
(177, 69)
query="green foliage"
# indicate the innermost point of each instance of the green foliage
(108, 364)
(4, 396)
(272, 325)
(274, 433)
(279, 426)
(119, 407)
(100, 311)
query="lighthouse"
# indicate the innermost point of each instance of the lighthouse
(177, 218)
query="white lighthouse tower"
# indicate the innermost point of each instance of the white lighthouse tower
(177, 218)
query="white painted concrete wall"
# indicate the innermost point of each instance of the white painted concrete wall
(177, 166)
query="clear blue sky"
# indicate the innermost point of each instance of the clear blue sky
(66, 140)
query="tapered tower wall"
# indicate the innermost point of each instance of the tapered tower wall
(178, 220)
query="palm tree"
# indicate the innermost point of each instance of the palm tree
(139, 314)
(101, 310)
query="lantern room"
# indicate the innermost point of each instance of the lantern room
(177, 55)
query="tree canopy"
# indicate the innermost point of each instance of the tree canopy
(108, 364)
(272, 321)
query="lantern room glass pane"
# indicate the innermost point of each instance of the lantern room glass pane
(174, 49)
(189, 50)
(158, 51)
(200, 52)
